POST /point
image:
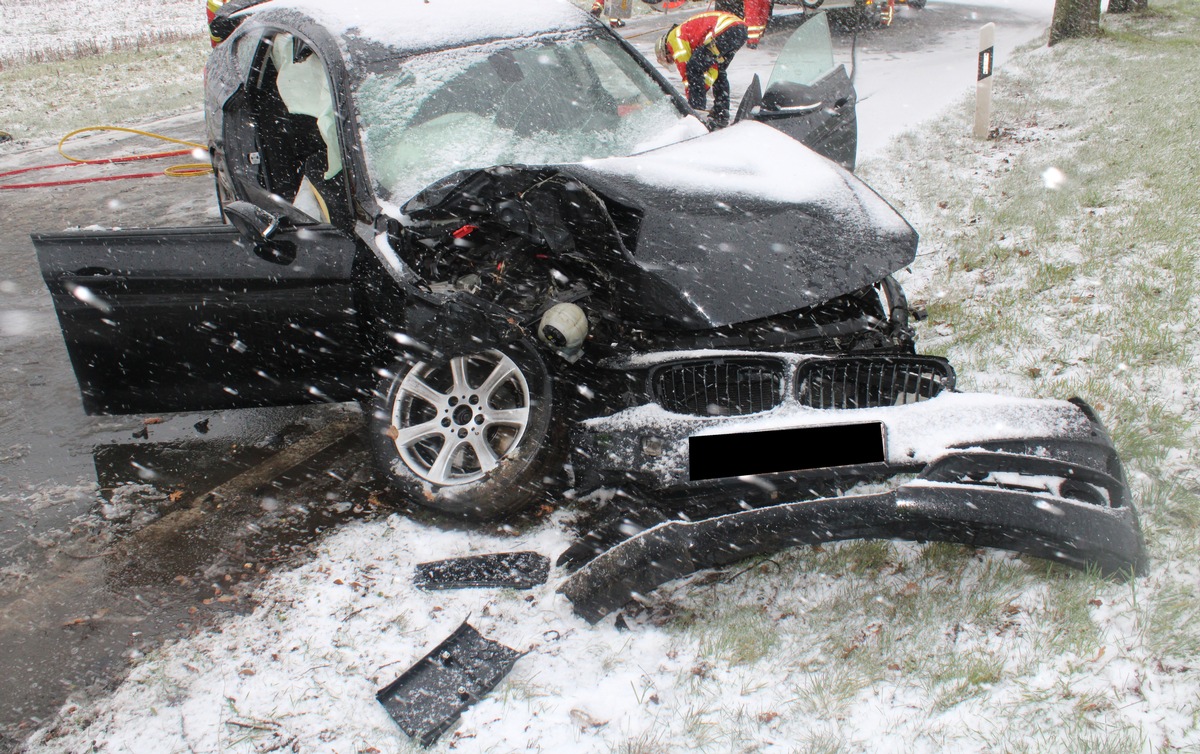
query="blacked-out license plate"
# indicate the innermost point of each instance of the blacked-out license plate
(777, 450)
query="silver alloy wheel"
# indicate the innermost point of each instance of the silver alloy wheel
(454, 422)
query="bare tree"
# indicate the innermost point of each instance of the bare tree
(1074, 18)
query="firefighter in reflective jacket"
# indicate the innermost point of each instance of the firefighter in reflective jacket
(756, 13)
(212, 7)
(702, 48)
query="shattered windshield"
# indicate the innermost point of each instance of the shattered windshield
(552, 99)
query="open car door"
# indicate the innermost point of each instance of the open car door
(190, 319)
(260, 313)
(808, 96)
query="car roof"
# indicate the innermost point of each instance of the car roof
(410, 26)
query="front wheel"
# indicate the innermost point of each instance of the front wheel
(470, 435)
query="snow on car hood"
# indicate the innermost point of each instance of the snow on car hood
(747, 222)
(412, 25)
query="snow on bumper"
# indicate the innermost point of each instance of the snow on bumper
(653, 444)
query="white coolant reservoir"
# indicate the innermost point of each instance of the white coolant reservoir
(564, 327)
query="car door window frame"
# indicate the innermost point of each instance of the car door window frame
(256, 169)
(806, 42)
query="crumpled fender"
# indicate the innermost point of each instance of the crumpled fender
(1088, 522)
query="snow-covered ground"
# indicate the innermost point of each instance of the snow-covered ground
(52, 28)
(875, 647)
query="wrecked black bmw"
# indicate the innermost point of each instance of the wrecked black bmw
(513, 243)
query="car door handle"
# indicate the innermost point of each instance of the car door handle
(92, 277)
(88, 272)
(92, 282)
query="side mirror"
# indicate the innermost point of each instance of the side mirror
(253, 222)
(789, 98)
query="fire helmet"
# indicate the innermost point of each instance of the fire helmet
(662, 51)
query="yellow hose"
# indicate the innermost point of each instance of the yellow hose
(178, 171)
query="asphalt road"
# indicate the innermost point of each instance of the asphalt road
(87, 581)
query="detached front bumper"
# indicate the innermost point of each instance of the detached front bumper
(1035, 477)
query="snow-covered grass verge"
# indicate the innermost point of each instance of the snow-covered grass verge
(56, 30)
(1059, 258)
(44, 101)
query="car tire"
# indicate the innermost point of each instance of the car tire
(471, 435)
(812, 4)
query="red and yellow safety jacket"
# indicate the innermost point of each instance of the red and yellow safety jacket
(212, 7)
(697, 31)
(758, 13)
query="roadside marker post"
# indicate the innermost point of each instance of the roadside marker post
(983, 80)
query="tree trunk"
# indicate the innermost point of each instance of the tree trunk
(1125, 6)
(1075, 18)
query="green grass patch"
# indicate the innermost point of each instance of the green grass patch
(738, 636)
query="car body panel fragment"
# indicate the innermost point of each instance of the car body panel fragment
(431, 695)
(514, 570)
(1094, 530)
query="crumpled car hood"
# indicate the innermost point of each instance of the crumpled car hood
(747, 222)
(728, 227)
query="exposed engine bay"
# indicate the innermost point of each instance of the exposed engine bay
(559, 259)
(503, 237)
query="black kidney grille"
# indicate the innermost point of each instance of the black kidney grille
(719, 387)
(872, 381)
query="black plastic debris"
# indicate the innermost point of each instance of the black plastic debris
(973, 497)
(432, 694)
(516, 570)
